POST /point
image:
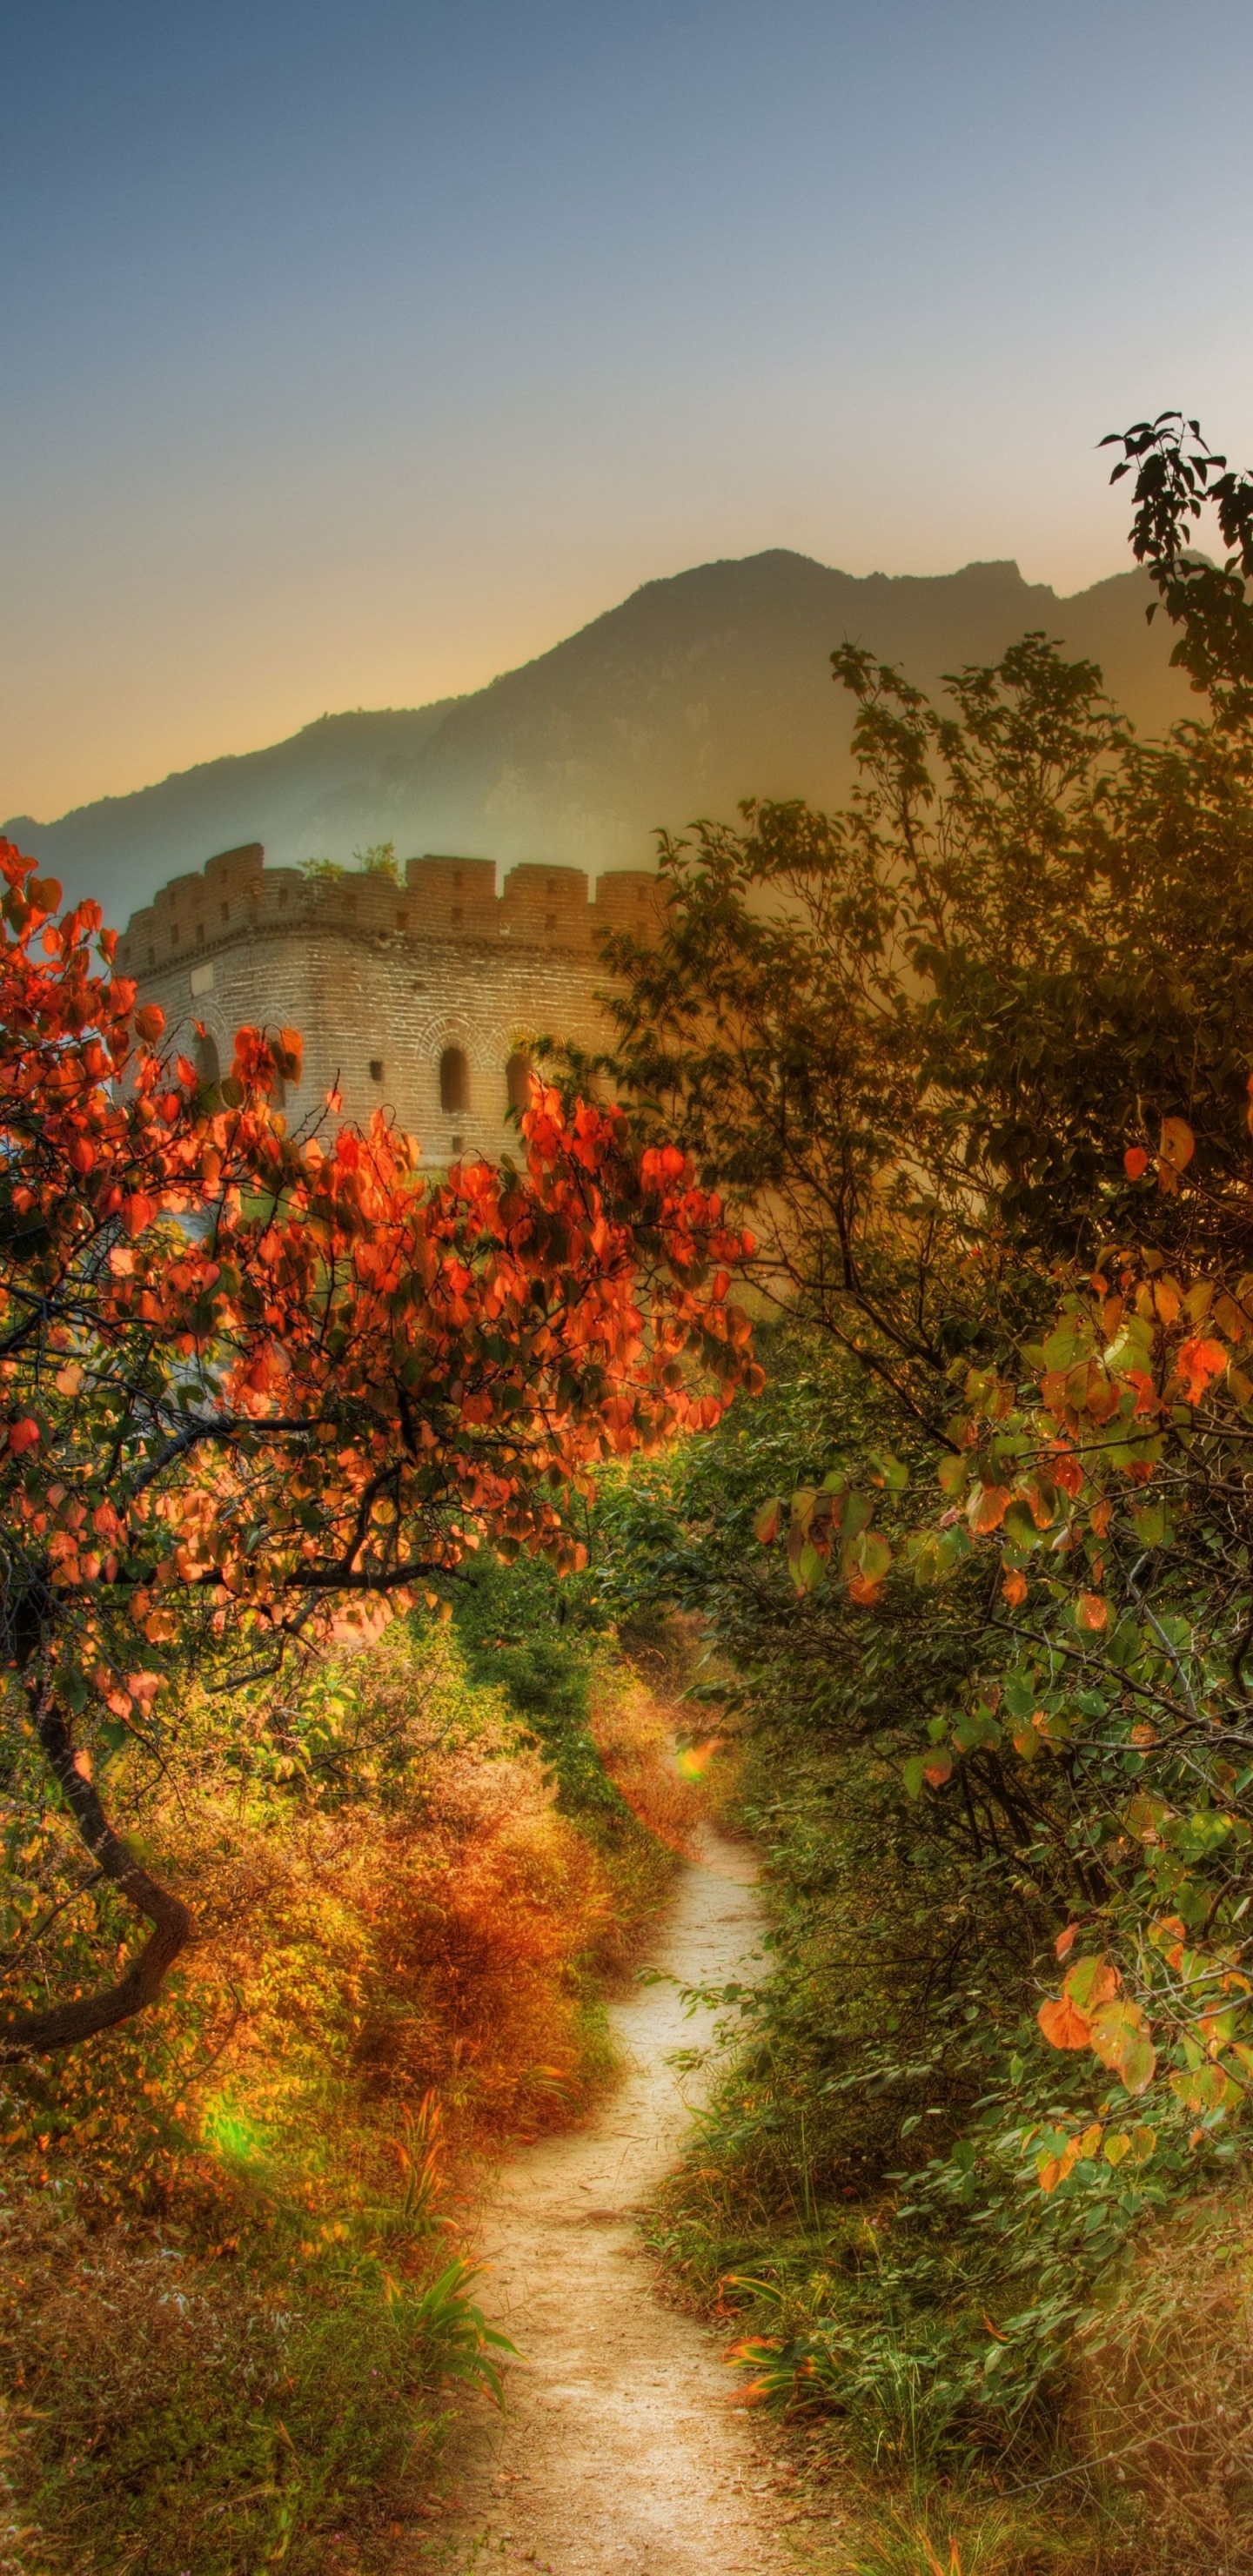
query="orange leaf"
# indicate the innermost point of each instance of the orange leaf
(1177, 1144)
(1014, 1589)
(1066, 1940)
(1091, 1612)
(1136, 1162)
(1197, 1363)
(1063, 2026)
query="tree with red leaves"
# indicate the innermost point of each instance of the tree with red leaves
(254, 1383)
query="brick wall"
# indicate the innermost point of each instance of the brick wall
(412, 998)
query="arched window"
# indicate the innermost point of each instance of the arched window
(518, 1079)
(208, 1062)
(454, 1080)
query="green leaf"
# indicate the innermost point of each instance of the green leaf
(1070, 1342)
(1019, 1526)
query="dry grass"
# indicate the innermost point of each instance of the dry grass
(634, 1728)
(1162, 2396)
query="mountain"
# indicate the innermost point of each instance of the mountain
(695, 692)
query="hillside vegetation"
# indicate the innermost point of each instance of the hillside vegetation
(976, 1575)
(237, 2286)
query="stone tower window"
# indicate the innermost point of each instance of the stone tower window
(550, 921)
(458, 916)
(208, 1062)
(226, 912)
(454, 1080)
(200, 934)
(152, 957)
(376, 1068)
(518, 1079)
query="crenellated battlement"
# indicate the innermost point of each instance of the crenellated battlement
(447, 898)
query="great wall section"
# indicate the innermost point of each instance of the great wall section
(419, 997)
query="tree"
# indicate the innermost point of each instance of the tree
(918, 1033)
(254, 1382)
(1102, 1459)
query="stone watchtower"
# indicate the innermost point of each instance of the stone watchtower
(421, 999)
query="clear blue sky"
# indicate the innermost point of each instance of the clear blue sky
(352, 353)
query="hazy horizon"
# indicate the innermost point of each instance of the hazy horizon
(354, 360)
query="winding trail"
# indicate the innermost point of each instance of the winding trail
(619, 2454)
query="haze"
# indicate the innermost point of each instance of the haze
(352, 356)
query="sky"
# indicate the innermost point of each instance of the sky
(355, 353)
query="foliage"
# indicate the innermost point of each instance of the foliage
(1178, 475)
(234, 2297)
(253, 1381)
(379, 861)
(537, 1640)
(974, 1060)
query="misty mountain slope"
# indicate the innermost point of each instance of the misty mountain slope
(696, 691)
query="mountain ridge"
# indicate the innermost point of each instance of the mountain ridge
(700, 688)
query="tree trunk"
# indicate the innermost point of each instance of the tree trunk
(64, 2025)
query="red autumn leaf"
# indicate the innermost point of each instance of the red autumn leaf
(1091, 1611)
(1135, 1162)
(23, 1435)
(1198, 1362)
(1063, 2025)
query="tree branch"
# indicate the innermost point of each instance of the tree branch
(64, 2025)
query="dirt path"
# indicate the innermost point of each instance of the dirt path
(619, 2454)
